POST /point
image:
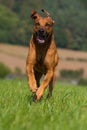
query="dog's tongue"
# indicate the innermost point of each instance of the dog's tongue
(40, 40)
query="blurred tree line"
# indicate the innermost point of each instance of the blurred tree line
(70, 21)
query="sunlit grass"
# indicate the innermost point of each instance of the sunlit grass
(66, 110)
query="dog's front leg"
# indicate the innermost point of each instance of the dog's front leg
(31, 78)
(47, 79)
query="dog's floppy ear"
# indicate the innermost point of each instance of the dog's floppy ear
(48, 15)
(34, 14)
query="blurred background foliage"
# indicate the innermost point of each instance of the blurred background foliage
(70, 17)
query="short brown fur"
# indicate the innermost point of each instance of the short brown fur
(41, 59)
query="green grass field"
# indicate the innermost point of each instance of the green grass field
(66, 110)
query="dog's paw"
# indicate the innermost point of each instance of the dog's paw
(39, 93)
(34, 97)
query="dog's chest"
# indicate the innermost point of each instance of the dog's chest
(41, 54)
(40, 63)
(39, 58)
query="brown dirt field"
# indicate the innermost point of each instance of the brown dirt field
(15, 56)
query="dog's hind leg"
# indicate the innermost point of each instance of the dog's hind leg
(51, 85)
(38, 76)
(44, 84)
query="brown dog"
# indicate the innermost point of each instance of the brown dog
(42, 56)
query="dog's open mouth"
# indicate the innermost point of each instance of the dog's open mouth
(41, 37)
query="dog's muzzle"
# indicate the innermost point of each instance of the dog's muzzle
(41, 36)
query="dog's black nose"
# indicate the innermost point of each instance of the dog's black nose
(41, 30)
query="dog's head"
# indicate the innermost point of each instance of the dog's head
(43, 26)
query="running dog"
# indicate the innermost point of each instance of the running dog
(42, 55)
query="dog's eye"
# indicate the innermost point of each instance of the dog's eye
(37, 24)
(48, 25)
